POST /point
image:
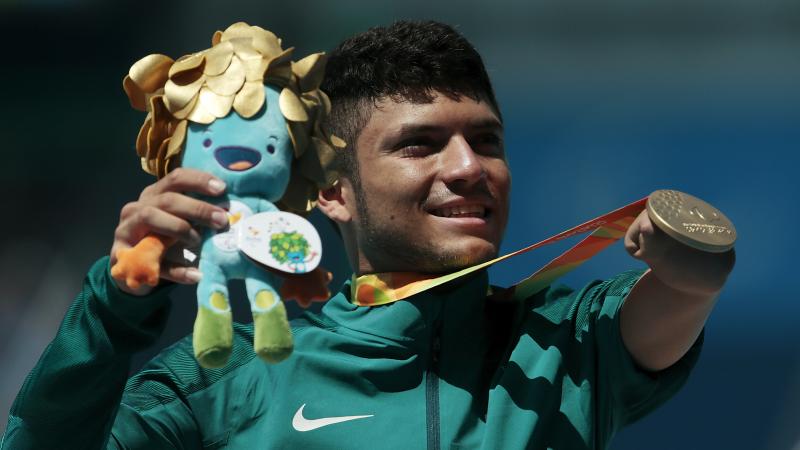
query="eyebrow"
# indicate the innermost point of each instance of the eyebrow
(412, 128)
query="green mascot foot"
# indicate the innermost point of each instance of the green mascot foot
(213, 333)
(272, 340)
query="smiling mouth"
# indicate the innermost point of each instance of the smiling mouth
(457, 212)
(237, 158)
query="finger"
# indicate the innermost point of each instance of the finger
(150, 219)
(180, 274)
(631, 239)
(191, 209)
(186, 180)
(646, 226)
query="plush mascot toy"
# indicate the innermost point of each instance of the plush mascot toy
(243, 111)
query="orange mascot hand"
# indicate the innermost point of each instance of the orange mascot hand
(142, 263)
(308, 287)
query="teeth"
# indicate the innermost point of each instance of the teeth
(461, 211)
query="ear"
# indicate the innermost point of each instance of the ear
(332, 202)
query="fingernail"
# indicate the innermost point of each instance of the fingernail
(219, 219)
(216, 185)
(194, 275)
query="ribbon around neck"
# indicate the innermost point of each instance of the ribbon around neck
(382, 288)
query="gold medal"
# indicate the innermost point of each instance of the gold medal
(691, 221)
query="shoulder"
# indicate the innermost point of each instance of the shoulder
(175, 399)
(174, 374)
(560, 303)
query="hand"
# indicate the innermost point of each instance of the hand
(675, 264)
(163, 209)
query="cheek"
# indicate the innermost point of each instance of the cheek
(401, 185)
(499, 177)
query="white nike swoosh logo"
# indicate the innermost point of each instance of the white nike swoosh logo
(300, 423)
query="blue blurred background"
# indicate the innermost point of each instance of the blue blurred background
(604, 103)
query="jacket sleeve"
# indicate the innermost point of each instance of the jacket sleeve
(71, 399)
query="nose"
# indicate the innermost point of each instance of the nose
(460, 164)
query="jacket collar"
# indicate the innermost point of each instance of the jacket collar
(455, 307)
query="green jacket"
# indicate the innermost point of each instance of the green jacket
(444, 369)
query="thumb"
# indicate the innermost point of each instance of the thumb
(632, 238)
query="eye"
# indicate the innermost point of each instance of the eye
(270, 149)
(488, 144)
(417, 147)
(207, 143)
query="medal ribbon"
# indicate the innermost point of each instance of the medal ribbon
(381, 288)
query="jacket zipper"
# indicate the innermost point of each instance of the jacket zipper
(432, 396)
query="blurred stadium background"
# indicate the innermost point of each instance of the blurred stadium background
(603, 102)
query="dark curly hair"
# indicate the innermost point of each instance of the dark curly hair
(405, 61)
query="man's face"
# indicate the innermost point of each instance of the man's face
(432, 192)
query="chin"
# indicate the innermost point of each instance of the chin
(473, 251)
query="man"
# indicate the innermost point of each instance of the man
(425, 189)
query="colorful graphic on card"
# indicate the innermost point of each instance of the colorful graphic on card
(282, 241)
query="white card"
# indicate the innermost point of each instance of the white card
(281, 240)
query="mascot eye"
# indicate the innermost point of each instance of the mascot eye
(207, 143)
(271, 149)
